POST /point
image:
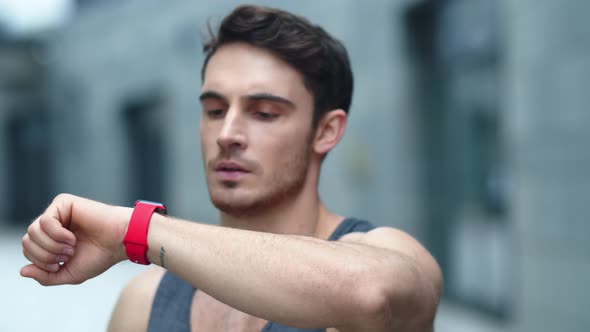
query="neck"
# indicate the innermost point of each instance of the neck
(304, 214)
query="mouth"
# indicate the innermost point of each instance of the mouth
(230, 166)
(230, 170)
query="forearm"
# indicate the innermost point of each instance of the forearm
(284, 278)
(371, 282)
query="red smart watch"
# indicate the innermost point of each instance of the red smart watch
(136, 238)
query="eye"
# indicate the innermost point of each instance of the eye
(265, 115)
(263, 111)
(214, 113)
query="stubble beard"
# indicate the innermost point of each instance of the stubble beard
(284, 185)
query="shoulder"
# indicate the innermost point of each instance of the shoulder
(388, 238)
(133, 308)
(400, 243)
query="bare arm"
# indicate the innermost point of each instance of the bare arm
(380, 281)
(372, 281)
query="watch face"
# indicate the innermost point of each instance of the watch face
(160, 207)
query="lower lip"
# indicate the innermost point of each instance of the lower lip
(230, 175)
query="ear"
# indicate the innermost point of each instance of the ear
(329, 131)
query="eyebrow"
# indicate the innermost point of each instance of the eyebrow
(273, 98)
(257, 96)
(212, 95)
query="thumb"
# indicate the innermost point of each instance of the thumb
(45, 278)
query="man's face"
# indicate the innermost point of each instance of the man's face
(255, 129)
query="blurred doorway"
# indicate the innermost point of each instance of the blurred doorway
(28, 165)
(455, 53)
(143, 119)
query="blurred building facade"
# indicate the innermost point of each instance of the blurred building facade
(468, 130)
(548, 130)
(24, 128)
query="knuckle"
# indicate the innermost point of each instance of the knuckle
(44, 223)
(62, 197)
(32, 234)
(34, 227)
(31, 257)
(28, 256)
(27, 245)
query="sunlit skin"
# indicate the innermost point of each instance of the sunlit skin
(257, 136)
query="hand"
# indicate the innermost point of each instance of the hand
(85, 235)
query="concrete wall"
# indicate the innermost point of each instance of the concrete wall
(548, 74)
(22, 80)
(110, 53)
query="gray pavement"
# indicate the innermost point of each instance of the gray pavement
(27, 306)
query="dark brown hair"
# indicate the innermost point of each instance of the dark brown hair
(320, 58)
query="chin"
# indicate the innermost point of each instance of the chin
(236, 208)
(232, 201)
(241, 199)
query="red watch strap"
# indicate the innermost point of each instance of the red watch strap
(136, 238)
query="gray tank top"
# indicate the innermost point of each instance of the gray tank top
(172, 302)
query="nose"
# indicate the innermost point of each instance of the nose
(233, 132)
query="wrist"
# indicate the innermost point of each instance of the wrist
(123, 217)
(136, 236)
(154, 241)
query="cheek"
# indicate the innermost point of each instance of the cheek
(290, 144)
(208, 138)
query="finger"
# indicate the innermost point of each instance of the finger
(50, 266)
(54, 229)
(61, 277)
(61, 209)
(41, 276)
(41, 238)
(36, 254)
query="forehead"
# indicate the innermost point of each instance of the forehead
(239, 69)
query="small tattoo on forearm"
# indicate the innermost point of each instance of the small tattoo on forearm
(162, 257)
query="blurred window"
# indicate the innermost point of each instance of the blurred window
(456, 58)
(142, 119)
(28, 166)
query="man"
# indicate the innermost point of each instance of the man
(275, 96)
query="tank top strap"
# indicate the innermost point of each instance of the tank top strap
(275, 327)
(172, 305)
(348, 225)
(351, 225)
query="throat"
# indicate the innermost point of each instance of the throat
(298, 215)
(316, 222)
